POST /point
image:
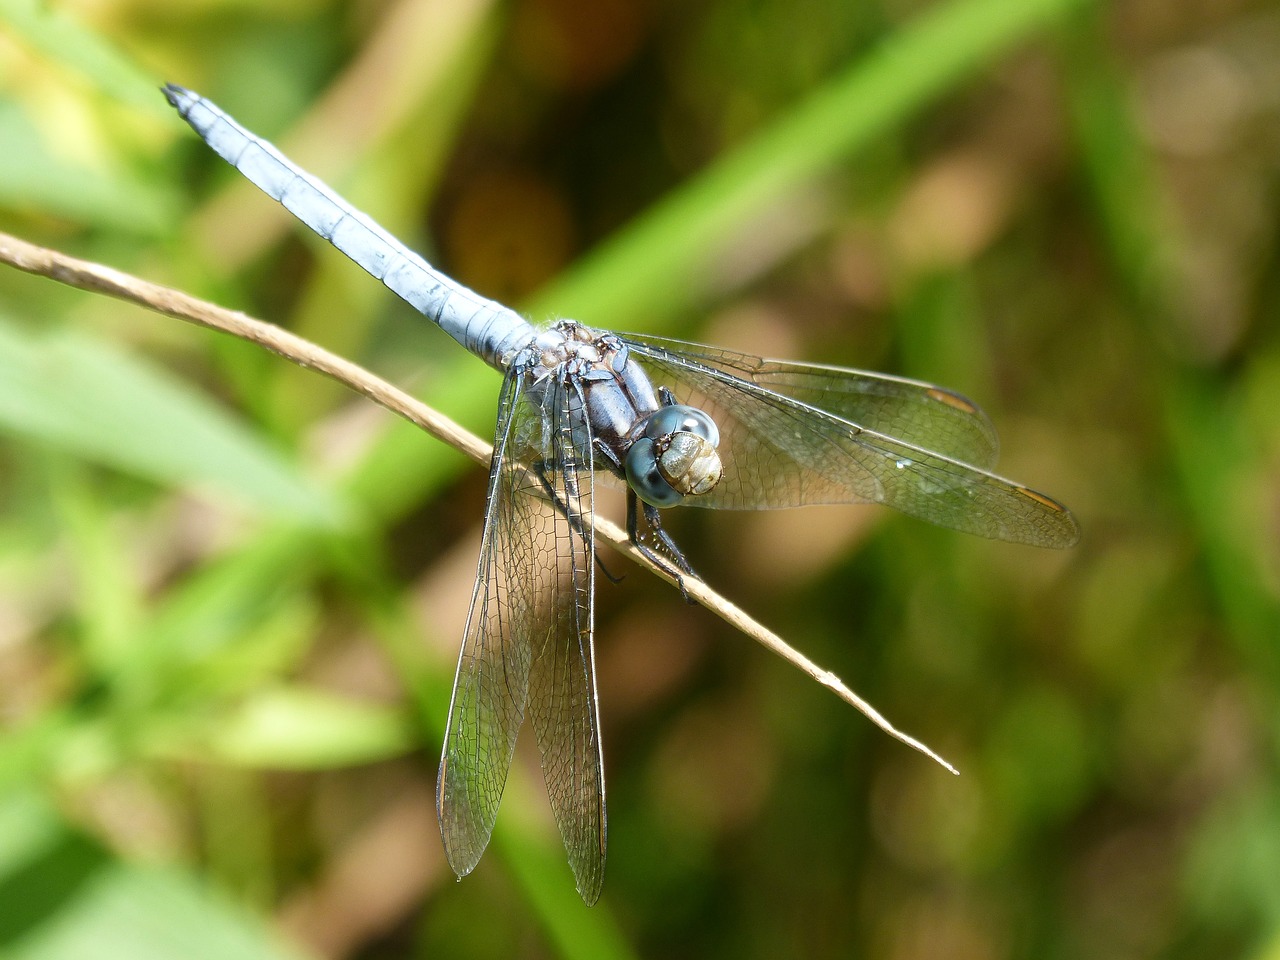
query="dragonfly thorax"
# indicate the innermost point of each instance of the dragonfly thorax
(665, 451)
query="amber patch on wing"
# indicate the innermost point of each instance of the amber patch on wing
(951, 399)
(1041, 498)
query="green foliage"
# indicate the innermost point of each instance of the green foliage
(82, 395)
(66, 897)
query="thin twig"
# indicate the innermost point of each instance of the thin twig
(173, 303)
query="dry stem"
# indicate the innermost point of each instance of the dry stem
(99, 279)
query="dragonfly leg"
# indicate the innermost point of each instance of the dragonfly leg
(673, 560)
(575, 521)
(608, 574)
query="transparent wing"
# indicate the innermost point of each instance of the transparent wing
(918, 413)
(563, 704)
(490, 689)
(779, 451)
(528, 644)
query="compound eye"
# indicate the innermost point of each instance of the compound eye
(682, 418)
(644, 477)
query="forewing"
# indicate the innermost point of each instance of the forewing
(490, 689)
(778, 451)
(563, 705)
(921, 414)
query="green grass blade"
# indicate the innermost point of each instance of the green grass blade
(300, 728)
(653, 265)
(37, 177)
(49, 30)
(65, 898)
(90, 398)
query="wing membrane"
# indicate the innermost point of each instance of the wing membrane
(490, 689)
(528, 643)
(563, 704)
(918, 413)
(782, 452)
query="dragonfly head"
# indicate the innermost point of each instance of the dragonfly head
(675, 456)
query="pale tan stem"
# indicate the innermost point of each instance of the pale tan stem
(173, 303)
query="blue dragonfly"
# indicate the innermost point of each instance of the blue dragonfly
(672, 422)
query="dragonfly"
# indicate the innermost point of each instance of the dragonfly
(673, 423)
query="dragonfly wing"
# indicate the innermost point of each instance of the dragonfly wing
(922, 414)
(779, 451)
(563, 705)
(490, 689)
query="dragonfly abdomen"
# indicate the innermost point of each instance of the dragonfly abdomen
(485, 327)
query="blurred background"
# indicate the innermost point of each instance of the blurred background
(231, 593)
